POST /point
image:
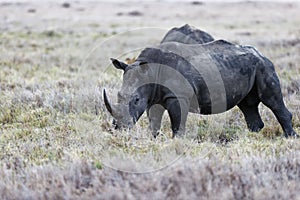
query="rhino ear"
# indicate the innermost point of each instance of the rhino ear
(119, 64)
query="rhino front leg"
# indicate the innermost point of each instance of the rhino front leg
(155, 114)
(178, 114)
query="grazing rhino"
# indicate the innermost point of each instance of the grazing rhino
(206, 79)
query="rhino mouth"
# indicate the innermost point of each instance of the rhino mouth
(135, 116)
(118, 126)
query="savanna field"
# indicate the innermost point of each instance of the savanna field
(56, 137)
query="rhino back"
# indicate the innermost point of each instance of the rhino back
(218, 72)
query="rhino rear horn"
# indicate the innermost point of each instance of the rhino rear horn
(106, 101)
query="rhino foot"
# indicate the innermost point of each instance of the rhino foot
(292, 134)
(155, 133)
(178, 134)
(256, 126)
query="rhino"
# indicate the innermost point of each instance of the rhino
(200, 78)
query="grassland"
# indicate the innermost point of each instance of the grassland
(56, 137)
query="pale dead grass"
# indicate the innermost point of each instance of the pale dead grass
(56, 137)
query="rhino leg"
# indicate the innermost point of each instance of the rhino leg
(249, 107)
(155, 114)
(269, 92)
(252, 116)
(178, 114)
(283, 116)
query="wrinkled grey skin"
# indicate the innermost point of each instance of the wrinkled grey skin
(187, 35)
(248, 78)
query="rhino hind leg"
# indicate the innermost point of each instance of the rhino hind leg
(269, 92)
(282, 114)
(155, 114)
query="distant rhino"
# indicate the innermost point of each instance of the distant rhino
(187, 35)
(206, 79)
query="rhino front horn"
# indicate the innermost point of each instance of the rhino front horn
(107, 104)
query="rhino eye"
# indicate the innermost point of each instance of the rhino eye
(136, 100)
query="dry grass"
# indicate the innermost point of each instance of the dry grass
(55, 135)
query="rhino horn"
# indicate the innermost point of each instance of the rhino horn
(106, 101)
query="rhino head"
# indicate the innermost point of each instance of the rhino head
(133, 98)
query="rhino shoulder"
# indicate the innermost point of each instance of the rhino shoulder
(150, 54)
